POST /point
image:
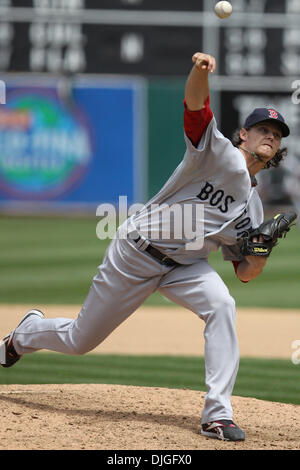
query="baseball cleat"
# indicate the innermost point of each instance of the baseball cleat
(223, 429)
(8, 354)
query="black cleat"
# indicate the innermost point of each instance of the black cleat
(8, 354)
(223, 429)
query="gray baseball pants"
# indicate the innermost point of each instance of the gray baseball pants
(124, 280)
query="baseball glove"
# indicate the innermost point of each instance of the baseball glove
(270, 230)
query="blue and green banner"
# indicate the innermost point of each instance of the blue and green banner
(73, 147)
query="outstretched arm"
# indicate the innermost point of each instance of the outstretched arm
(197, 86)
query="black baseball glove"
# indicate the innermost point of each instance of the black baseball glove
(270, 230)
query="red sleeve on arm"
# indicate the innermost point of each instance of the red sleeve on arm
(196, 122)
(235, 265)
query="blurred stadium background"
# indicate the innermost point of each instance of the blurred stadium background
(91, 108)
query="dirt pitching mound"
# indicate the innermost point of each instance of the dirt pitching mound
(105, 417)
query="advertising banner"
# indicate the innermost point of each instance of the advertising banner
(71, 144)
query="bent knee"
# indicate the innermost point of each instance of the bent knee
(222, 304)
(80, 349)
(84, 345)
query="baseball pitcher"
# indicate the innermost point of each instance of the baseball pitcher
(218, 177)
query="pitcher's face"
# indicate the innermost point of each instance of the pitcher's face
(264, 139)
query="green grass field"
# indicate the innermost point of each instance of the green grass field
(273, 380)
(52, 261)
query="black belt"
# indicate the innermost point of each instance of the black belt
(163, 259)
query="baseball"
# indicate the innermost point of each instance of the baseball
(223, 9)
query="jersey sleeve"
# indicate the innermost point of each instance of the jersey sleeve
(232, 253)
(207, 148)
(196, 122)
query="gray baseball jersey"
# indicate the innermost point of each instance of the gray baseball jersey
(215, 176)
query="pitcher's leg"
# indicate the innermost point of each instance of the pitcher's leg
(221, 359)
(116, 292)
(200, 289)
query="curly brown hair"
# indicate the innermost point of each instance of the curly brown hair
(274, 162)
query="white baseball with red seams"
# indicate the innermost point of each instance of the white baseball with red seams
(223, 9)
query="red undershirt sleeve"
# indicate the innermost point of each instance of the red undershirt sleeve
(196, 122)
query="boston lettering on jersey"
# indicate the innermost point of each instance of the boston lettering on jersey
(215, 198)
(243, 224)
